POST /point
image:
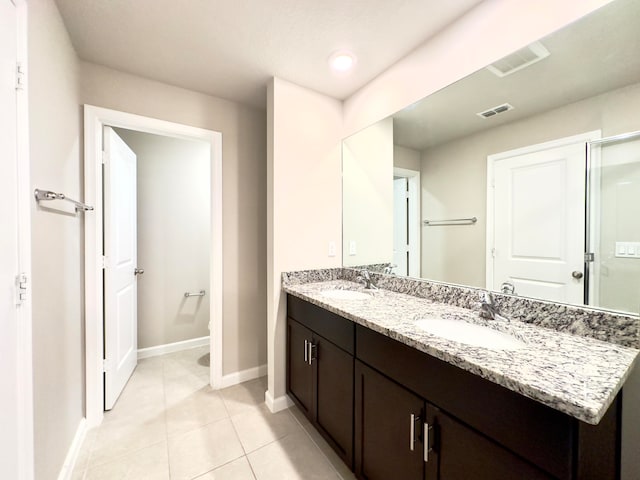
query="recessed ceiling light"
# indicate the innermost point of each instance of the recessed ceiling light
(342, 61)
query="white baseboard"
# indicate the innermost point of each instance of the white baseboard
(74, 450)
(172, 347)
(276, 405)
(243, 376)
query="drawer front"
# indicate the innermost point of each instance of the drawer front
(534, 431)
(334, 328)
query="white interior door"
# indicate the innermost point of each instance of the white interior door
(400, 226)
(120, 285)
(9, 266)
(539, 211)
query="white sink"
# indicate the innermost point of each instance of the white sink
(338, 294)
(470, 334)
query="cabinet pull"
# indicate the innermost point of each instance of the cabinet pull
(306, 351)
(427, 441)
(412, 432)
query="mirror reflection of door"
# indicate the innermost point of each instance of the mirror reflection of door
(539, 222)
(400, 226)
(406, 222)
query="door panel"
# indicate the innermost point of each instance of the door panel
(460, 453)
(299, 372)
(539, 223)
(383, 428)
(121, 322)
(334, 396)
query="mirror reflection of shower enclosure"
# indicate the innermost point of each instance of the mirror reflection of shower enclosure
(613, 226)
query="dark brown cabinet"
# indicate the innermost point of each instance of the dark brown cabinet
(320, 374)
(400, 435)
(391, 411)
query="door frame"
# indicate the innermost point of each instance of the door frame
(25, 389)
(95, 118)
(492, 159)
(413, 179)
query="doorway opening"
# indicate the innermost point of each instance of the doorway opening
(100, 125)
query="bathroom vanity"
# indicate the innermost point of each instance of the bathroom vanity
(395, 401)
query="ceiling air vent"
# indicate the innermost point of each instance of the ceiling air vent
(505, 107)
(518, 60)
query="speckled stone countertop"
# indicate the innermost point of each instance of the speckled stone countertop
(576, 375)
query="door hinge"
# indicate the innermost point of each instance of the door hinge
(589, 257)
(22, 288)
(104, 158)
(104, 262)
(21, 79)
(493, 253)
(106, 365)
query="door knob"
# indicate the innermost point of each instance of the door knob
(577, 274)
(138, 271)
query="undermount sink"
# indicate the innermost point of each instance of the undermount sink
(339, 294)
(470, 334)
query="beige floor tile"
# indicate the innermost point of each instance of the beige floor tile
(337, 463)
(237, 470)
(148, 463)
(178, 388)
(244, 397)
(201, 407)
(293, 457)
(258, 427)
(203, 449)
(116, 439)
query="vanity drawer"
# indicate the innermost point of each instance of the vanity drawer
(334, 328)
(533, 431)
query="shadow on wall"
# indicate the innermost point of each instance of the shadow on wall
(188, 310)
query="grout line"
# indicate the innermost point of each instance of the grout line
(166, 425)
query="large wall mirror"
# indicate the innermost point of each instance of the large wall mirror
(523, 177)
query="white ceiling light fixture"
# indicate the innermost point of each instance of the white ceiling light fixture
(342, 61)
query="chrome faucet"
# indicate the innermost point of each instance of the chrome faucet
(487, 307)
(365, 279)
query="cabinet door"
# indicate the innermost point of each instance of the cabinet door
(385, 448)
(299, 368)
(461, 453)
(334, 396)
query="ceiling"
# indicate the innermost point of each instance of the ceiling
(231, 49)
(598, 53)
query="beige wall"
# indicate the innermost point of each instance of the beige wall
(174, 222)
(244, 191)
(54, 129)
(407, 158)
(303, 201)
(367, 195)
(454, 177)
(487, 33)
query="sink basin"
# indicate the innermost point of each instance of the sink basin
(345, 295)
(470, 334)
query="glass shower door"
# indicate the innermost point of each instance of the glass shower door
(613, 223)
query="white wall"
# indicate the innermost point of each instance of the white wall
(57, 248)
(367, 195)
(174, 240)
(407, 158)
(303, 201)
(244, 191)
(487, 33)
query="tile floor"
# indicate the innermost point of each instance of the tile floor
(169, 424)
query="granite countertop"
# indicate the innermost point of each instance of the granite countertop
(576, 375)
